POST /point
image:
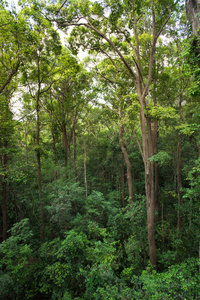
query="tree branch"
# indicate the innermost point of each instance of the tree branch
(155, 38)
(13, 73)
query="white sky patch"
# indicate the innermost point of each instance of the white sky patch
(16, 105)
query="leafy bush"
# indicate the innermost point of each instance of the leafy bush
(18, 263)
(178, 282)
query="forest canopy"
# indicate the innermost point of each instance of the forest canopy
(99, 149)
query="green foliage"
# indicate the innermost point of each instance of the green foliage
(161, 158)
(6, 286)
(16, 256)
(96, 244)
(63, 272)
(178, 282)
(65, 201)
(192, 54)
(97, 207)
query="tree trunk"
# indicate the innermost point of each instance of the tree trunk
(193, 8)
(65, 143)
(150, 202)
(148, 151)
(53, 138)
(155, 148)
(39, 167)
(142, 82)
(26, 147)
(162, 217)
(4, 197)
(53, 146)
(122, 183)
(85, 170)
(156, 166)
(127, 161)
(179, 182)
(74, 151)
(69, 160)
(178, 160)
(156, 190)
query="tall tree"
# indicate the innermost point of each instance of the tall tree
(115, 89)
(14, 32)
(39, 76)
(66, 100)
(121, 30)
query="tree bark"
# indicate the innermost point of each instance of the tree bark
(128, 165)
(193, 8)
(156, 166)
(178, 158)
(69, 160)
(150, 202)
(148, 141)
(179, 182)
(11, 75)
(74, 153)
(26, 147)
(122, 183)
(157, 191)
(4, 197)
(155, 148)
(65, 143)
(39, 165)
(85, 169)
(126, 159)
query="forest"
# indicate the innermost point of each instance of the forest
(100, 149)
